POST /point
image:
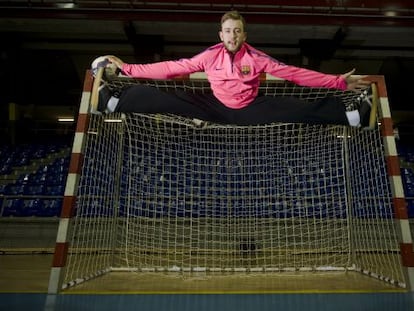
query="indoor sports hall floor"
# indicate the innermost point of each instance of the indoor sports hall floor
(24, 279)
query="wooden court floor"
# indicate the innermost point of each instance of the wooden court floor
(30, 273)
(24, 281)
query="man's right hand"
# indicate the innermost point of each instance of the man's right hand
(116, 61)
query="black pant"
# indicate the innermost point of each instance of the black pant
(264, 109)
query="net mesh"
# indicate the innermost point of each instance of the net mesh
(162, 193)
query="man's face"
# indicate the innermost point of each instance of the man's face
(232, 34)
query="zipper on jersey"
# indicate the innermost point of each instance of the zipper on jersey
(232, 62)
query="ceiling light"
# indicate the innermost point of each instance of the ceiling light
(113, 120)
(66, 119)
(69, 5)
(390, 13)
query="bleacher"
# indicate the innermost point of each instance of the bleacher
(32, 179)
(406, 154)
(407, 174)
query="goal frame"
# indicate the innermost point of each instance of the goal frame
(89, 97)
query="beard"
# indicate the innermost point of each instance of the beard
(233, 46)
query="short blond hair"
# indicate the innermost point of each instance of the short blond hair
(235, 15)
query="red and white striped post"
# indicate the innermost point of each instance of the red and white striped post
(69, 200)
(394, 173)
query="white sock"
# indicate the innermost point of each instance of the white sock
(353, 117)
(112, 103)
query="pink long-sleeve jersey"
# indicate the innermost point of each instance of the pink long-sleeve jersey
(234, 78)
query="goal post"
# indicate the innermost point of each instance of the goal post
(164, 193)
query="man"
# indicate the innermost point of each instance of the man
(233, 68)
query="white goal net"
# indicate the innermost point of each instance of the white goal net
(163, 193)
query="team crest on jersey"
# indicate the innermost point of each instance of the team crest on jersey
(245, 69)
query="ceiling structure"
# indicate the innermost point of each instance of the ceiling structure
(50, 44)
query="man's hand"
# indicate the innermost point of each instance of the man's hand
(355, 83)
(116, 61)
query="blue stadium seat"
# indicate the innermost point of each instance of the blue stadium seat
(385, 211)
(3, 189)
(14, 189)
(406, 152)
(56, 179)
(10, 159)
(6, 169)
(43, 169)
(281, 209)
(32, 207)
(51, 148)
(372, 211)
(200, 210)
(50, 208)
(39, 178)
(61, 163)
(34, 189)
(12, 207)
(24, 179)
(21, 161)
(97, 207)
(55, 190)
(410, 208)
(407, 175)
(337, 210)
(39, 153)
